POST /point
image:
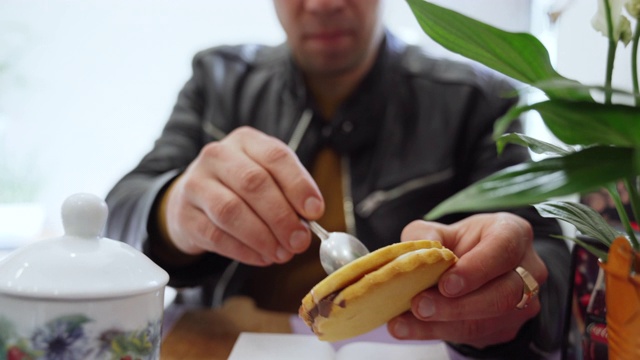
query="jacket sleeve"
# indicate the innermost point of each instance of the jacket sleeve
(132, 201)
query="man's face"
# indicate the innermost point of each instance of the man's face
(331, 37)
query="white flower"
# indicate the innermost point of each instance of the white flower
(621, 25)
(633, 7)
(626, 34)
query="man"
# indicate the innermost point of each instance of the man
(346, 125)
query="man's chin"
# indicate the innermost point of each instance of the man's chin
(330, 66)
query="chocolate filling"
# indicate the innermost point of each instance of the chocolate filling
(323, 307)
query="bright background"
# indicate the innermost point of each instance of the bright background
(86, 85)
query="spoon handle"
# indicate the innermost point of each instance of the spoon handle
(318, 230)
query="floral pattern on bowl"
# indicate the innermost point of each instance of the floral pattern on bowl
(80, 296)
(71, 337)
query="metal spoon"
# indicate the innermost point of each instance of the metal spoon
(337, 248)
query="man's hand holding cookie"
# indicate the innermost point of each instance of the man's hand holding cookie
(475, 301)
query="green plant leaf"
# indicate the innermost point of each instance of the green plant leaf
(586, 220)
(612, 189)
(534, 182)
(501, 125)
(518, 55)
(587, 123)
(558, 84)
(581, 122)
(535, 145)
(600, 254)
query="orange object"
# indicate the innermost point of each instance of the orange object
(623, 300)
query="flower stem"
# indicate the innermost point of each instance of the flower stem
(634, 66)
(611, 53)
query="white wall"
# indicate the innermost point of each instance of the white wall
(93, 81)
(582, 52)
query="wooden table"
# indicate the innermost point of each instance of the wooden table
(196, 333)
(211, 333)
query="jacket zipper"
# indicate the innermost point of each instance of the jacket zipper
(213, 131)
(294, 141)
(301, 128)
(374, 200)
(347, 199)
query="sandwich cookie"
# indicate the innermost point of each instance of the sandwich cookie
(373, 289)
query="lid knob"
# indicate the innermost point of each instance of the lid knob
(84, 215)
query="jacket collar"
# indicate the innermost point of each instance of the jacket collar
(357, 121)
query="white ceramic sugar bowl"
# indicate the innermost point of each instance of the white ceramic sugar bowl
(80, 296)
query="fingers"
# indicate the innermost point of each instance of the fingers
(488, 245)
(501, 246)
(498, 297)
(193, 232)
(248, 191)
(425, 230)
(205, 236)
(285, 171)
(475, 302)
(190, 231)
(267, 175)
(244, 193)
(477, 333)
(229, 217)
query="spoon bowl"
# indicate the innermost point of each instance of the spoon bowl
(337, 248)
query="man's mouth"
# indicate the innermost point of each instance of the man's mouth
(328, 37)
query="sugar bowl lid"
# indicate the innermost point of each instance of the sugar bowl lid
(81, 264)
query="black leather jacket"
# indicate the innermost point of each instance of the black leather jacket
(417, 130)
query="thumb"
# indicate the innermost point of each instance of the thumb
(423, 230)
